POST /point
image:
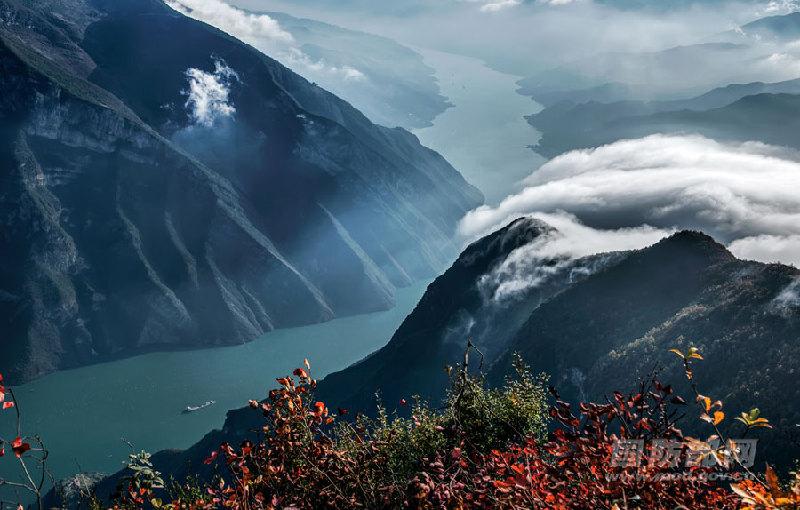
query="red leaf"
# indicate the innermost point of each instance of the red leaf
(299, 372)
(403, 402)
(211, 458)
(2, 452)
(8, 405)
(19, 447)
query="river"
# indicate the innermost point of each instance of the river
(484, 135)
(86, 415)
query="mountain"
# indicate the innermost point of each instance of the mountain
(781, 28)
(766, 117)
(617, 326)
(657, 75)
(594, 325)
(165, 186)
(397, 89)
(605, 327)
(616, 94)
(388, 82)
(459, 304)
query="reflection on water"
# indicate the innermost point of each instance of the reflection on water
(485, 136)
(84, 414)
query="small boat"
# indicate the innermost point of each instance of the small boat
(191, 409)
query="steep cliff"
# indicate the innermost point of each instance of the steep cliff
(131, 224)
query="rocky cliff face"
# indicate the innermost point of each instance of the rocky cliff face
(128, 225)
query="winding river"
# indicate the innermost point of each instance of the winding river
(484, 135)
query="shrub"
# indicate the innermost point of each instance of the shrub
(486, 448)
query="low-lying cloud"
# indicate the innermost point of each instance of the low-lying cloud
(208, 94)
(745, 195)
(533, 264)
(788, 298)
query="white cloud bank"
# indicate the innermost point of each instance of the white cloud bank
(531, 265)
(208, 94)
(745, 195)
(265, 34)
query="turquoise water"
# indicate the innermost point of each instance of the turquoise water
(84, 414)
(485, 135)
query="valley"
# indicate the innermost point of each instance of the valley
(85, 415)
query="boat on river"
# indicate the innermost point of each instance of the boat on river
(192, 409)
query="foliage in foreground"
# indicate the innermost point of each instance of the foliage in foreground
(485, 448)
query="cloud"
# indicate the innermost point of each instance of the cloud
(499, 6)
(248, 27)
(551, 254)
(208, 94)
(768, 248)
(788, 298)
(778, 7)
(731, 191)
(265, 34)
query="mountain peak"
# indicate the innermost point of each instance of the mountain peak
(693, 241)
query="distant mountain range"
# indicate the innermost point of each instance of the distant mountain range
(767, 117)
(664, 74)
(761, 50)
(785, 27)
(165, 186)
(594, 325)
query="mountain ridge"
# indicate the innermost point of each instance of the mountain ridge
(177, 235)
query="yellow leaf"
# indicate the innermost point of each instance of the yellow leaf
(677, 353)
(718, 417)
(772, 481)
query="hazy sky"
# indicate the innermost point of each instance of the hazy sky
(521, 37)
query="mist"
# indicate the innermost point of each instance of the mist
(523, 38)
(742, 194)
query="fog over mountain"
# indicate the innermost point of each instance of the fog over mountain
(733, 191)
